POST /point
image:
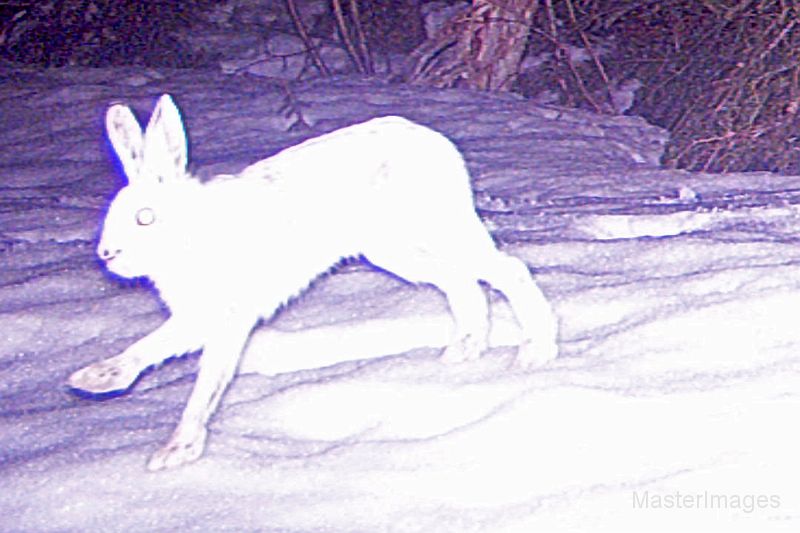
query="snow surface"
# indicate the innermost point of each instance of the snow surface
(672, 407)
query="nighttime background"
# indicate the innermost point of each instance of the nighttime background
(720, 75)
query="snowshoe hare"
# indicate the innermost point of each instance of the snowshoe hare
(229, 252)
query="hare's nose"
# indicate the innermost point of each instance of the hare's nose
(107, 254)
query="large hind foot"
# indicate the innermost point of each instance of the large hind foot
(537, 321)
(468, 348)
(536, 353)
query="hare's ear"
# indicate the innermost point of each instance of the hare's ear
(125, 135)
(165, 141)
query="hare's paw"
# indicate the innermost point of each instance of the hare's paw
(533, 353)
(182, 448)
(468, 348)
(104, 376)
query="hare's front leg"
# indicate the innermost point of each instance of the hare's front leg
(223, 349)
(173, 338)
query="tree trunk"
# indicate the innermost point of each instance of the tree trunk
(479, 49)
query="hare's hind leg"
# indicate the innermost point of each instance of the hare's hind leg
(465, 297)
(470, 312)
(538, 323)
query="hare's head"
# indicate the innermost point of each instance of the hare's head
(142, 227)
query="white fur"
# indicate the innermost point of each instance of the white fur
(227, 253)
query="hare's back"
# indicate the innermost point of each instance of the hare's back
(385, 155)
(388, 178)
(383, 186)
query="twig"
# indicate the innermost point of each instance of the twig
(589, 48)
(346, 38)
(309, 44)
(292, 106)
(561, 52)
(362, 39)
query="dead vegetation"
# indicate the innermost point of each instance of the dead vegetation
(480, 48)
(723, 76)
(97, 33)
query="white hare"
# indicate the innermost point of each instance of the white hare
(229, 252)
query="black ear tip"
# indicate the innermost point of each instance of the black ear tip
(116, 116)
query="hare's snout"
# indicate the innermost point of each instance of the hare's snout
(107, 254)
(114, 263)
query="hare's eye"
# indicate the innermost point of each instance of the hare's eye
(145, 216)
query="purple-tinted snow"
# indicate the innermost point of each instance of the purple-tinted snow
(673, 406)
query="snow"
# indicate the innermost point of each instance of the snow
(672, 406)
